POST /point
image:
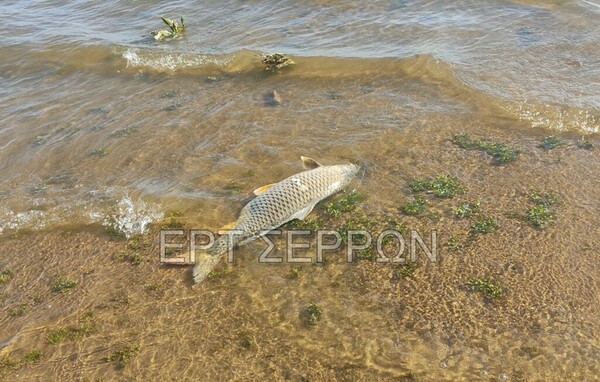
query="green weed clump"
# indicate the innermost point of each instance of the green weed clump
(413, 207)
(312, 314)
(442, 186)
(500, 152)
(551, 142)
(466, 209)
(348, 202)
(484, 225)
(405, 270)
(5, 275)
(540, 215)
(32, 356)
(488, 287)
(63, 284)
(175, 30)
(122, 356)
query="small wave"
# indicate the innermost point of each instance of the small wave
(162, 62)
(132, 216)
(558, 117)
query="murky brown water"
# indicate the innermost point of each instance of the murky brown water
(102, 127)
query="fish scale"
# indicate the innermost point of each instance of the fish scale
(291, 198)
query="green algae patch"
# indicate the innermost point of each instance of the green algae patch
(466, 209)
(413, 207)
(347, 202)
(311, 314)
(490, 289)
(501, 153)
(552, 142)
(540, 215)
(442, 186)
(484, 225)
(63, 284)
(122, 356)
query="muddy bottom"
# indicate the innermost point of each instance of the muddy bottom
(78, 304)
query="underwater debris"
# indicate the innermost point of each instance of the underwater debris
(276, 61)
(175, 30)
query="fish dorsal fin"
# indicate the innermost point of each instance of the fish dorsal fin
(262, 189)
(309, 163)
(227, 227)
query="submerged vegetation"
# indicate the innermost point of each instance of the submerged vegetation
(551, 142)
(413, 207)
(501, 152)
(466, 209)
(275, 61)
(484, 225)
(442, 186)
(311, 314)
(5, 275)
(122, 356)
(488, 287)
(540, 214)
(347, 202)
(62, 284)
(175, 30)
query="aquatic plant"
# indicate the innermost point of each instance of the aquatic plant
(294, 272)
(311, 224)
(540, 214)
(585, 144)
(246, 341)
(405, 270)
(175, 30)
(551, 142)
(466, 209)
(442, 186)
(32, 356)
(99, 152)
(18, 310)
(413, 207)
(488, 287)
(85, 326)
(453, 243)
(347, 202)
(276, 61)
(214, 275)
(484, 225)
(501, 152)
(5, 275)
(122, 356)
(312, 314)
(62, 284)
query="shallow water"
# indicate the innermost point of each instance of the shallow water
(100, 125)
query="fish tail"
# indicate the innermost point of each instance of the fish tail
(207, 261)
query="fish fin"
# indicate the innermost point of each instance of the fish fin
(262, 189)
(204, 266)
(227, 227)
(303, 213)
(309, 163)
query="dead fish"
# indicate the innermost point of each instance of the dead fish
(276, 204)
